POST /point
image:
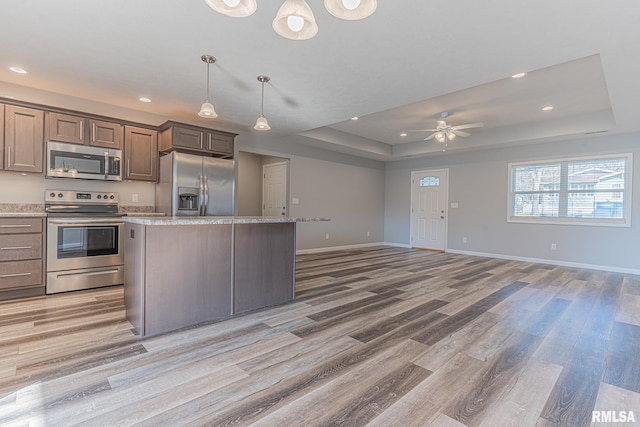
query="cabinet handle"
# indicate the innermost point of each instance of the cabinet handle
(5, 276)
(209, 146)
(201, 139)
(81, 129)
(15, 248)
(16, 226)
(9, 157)
(128, 167)
(93, 132)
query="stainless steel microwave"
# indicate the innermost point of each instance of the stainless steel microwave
(83, 162)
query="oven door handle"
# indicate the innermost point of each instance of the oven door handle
(84, 221)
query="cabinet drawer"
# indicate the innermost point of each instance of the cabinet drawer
(20, 225)
(20, 247)
(16, 274)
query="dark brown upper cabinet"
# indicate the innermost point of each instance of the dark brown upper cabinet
(85, 131)
(140, 154)
(182, 137)
(23, 139)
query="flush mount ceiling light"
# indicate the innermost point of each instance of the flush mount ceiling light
(351, 10)
(518, 75)
(207, 110)
(233, 8)
(262, 123)
(547, 108)
(295, 20)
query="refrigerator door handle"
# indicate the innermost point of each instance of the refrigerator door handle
(206, 195)
(201, 197)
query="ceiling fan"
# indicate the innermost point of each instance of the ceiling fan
(445, 131)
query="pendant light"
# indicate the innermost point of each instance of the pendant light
(206, 110)
(295, 21)
(262, 123)
(351, 10)
(233, 8)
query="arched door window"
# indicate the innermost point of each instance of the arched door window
(430, 181)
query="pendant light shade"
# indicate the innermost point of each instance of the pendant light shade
(233, 8)
(351, 10)
(295, 21)
(207, 110)
(262, 123)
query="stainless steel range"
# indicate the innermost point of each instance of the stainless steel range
(84, 240)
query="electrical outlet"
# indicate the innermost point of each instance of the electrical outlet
(464, 240)
(368, 234)
(134, 198)
(326, 236)
(554, 246)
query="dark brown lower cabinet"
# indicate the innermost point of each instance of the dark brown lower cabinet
(264, 266)
(181, 275)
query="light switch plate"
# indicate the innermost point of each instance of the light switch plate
(454, 205)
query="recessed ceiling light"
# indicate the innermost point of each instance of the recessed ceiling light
(144, 99)
(403, 134)
(547, 108)
(518, 75)
(18, 70)
(355, 118)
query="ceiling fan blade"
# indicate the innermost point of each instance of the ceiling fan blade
(469, 126)
(430, 136)
(422, 130)
(459, 133)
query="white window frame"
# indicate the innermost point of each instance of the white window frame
(602, 222)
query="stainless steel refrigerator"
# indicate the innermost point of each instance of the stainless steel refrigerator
(190, 185)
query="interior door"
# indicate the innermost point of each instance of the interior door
(429, 191)
(274, 189)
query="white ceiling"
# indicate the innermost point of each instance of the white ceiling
(397, 70)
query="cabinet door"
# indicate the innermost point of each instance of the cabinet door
(65, 128)
(105, 134)
(24, 139)
(141, 154)
(219, 143)
(1, 136)
(188, 138)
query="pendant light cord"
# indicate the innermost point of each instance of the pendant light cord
(262, 101)
(208, 93)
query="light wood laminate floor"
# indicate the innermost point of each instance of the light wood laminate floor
(380, 336)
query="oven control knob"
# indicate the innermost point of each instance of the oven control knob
(52, 195)
(105, 196)
(60, 195)
(99, 196)
(112, 197)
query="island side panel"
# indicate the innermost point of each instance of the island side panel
(264, 265)
(134, 274)
(188, 275)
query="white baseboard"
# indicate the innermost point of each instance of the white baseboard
(548, 261)
(338, 248)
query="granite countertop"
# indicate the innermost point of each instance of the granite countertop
(203, 220)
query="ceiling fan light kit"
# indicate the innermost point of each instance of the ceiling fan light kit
(233, 8)
(351, 10)
(445, 132)
(295, 19)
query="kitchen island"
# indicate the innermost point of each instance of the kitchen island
(182, 271)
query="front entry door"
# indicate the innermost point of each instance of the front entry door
(274, 189)
(428, 209)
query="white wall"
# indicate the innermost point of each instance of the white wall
(345, 189)
(478, 182)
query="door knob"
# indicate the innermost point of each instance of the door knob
(441, 216)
